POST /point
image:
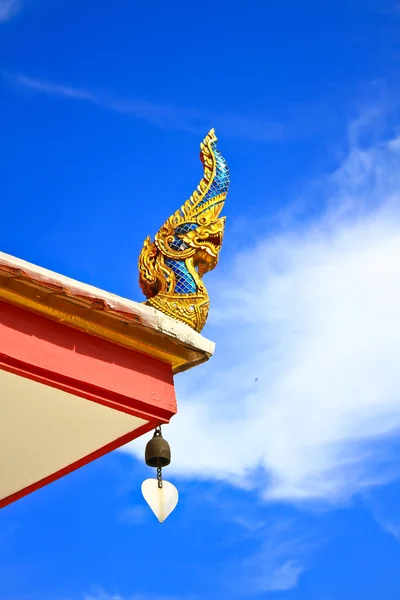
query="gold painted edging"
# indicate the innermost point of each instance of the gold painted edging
(82, 316)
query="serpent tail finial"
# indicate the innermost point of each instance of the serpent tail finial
(187, 246)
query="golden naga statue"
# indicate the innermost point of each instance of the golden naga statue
(188, 245)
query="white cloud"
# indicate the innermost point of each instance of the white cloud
(384, 510)
(190, 119)
(134, 515)
(102, 595)
(8, 9)
(305, 384)
(264, 577)
(248, 523)
(389, 527)
(277, 564)
(53, 89)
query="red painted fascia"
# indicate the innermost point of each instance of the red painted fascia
(87, 366)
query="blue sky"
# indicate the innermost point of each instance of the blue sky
(102, 109)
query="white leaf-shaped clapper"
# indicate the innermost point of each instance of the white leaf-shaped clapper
(162, 501)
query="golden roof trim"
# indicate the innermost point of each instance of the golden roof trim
(102, 314)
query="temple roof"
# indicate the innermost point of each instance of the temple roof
(84, 307)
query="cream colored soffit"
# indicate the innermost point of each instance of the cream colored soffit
(44, 430)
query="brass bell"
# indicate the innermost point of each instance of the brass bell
(158, 452)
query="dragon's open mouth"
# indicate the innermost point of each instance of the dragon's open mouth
(214, 240)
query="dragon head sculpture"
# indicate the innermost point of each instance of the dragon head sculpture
(187, 246)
